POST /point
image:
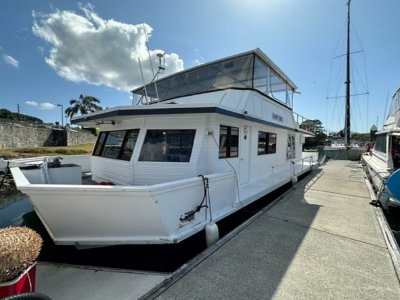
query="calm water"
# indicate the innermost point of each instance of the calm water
(13, 207)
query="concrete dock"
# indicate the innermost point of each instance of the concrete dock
(320, 240)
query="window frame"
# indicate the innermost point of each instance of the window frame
(167, 155)
(291, 146)
(267, 149)
(99, 149)
(229, 142)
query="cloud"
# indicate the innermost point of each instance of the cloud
(41, 106)
(47, 106)
(32, 103)
(10, 60)
(87, 48)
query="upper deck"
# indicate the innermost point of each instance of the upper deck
(251, 70)
(392, 121)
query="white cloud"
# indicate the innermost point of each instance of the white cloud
(42, 106)
(87, 48)
(32, 103)
(10, 60)
(47, 106)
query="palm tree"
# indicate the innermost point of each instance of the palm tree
(84, 105)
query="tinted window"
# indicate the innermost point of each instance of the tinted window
(266, 143)
(172, 145)
(228, 141)
(116, 144)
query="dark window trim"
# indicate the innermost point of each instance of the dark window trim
(228, 142)
(267, 138)
(141, 159)
(103, 143)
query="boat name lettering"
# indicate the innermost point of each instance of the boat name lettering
(277, 117)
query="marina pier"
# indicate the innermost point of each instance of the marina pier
(320, 240)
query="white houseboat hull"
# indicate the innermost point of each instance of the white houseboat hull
(104, 215)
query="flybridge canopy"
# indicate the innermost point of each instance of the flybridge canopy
(393, 118)
(248, 70)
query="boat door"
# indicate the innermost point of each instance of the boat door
(395, 151)
(244, 152)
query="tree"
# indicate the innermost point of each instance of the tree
(84, 105)
(314, 126)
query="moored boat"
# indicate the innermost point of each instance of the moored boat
(383, 158)
(198, 146)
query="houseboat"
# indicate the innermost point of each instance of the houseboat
(383, 159)
(194, 147)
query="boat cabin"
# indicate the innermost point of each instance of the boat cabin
(233, 114)
(387, 143)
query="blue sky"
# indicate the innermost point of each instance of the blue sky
(53, 51)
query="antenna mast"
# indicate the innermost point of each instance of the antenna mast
(347, 117)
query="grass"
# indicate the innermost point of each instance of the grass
(45, 151)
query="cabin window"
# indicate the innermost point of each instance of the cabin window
(291, 147)
(99, 143)
(172, 145)
(266, 143)
(116, 144)
(380, 143)
(228, 141)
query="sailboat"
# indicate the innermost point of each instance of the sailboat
(346, 149)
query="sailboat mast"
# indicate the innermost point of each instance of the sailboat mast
(347, 117)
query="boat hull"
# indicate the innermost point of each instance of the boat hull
(377, 173)
(105, 215)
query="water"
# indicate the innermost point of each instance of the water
(393, 219)
(13, 206)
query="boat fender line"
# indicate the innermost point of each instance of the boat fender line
(45, 171)
(294, 177)
(188, 216)
(212, 233)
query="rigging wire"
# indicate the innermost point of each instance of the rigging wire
(356, 77)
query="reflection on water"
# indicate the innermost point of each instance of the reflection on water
(12, 208)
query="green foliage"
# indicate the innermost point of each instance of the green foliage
(314, 126)
(84, 105)
(8, 115)
(361, 137)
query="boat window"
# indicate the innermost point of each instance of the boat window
(269, 83)
(266, 143)
(172, 145)
(228, 141)
(116, 144)
(240, 72)
(128, 145)
(291, 148)
(396, 151)
(99, 143)
(380, 143)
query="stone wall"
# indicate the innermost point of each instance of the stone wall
(30, 137)
(80, 137)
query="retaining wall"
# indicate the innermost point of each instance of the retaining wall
(29, 137)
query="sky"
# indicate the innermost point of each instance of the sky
(53, 51)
